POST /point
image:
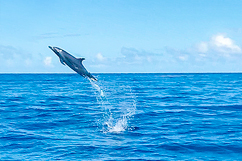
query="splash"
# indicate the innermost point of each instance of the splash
(97, 87)
(120, 126)
(118, 104)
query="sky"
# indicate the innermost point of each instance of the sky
(122, 36)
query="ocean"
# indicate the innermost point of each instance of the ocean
(121, 117)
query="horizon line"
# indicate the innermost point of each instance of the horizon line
(127, 73)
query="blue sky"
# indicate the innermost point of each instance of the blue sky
(122, 36)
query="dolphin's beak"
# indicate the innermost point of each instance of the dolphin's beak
(50, 47)
(54, 50)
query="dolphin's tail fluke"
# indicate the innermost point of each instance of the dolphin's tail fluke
(91, 77)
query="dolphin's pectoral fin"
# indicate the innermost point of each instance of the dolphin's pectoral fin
(62, 62)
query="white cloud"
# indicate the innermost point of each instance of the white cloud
(48, 61)
(224, 44)
(220, 44)
(100, 57)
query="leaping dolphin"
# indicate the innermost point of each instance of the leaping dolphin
(74, 63)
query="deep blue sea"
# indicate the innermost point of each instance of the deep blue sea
(121, 117)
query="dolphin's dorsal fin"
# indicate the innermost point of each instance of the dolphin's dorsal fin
(81, 59)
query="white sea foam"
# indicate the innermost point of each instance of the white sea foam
(121, 125)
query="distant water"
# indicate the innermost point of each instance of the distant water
(121, 117)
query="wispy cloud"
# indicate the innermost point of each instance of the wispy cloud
(134, 56)
(130, 60)
(53, 35)
(100, 57)
(48, 61)
(100, 62)
(13, 60)
(202, 47)
(219, 53)
(10, 52)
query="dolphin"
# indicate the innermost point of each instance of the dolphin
(74, 63)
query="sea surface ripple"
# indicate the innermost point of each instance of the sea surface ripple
(121, 117)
